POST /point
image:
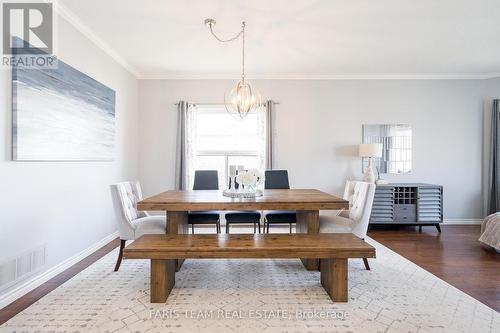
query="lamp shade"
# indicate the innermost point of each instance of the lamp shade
(370, 150)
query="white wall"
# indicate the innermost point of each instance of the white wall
(66, 205)
(319, 123)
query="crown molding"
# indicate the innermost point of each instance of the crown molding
(87, 32)
(427, 76)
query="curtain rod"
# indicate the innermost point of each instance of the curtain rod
(218, 103)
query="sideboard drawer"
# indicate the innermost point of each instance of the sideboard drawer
(405, 213)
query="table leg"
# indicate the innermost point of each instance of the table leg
(308, 223)
(162, 279)
(334, 278)
(177, 223)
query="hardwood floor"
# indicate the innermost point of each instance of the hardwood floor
(455, 256)
(22, 303)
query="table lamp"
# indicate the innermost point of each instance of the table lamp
(370, 150)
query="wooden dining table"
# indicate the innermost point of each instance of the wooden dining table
(306, 202)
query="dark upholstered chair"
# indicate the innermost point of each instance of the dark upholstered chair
(278, 180)
(205, 180)
(240, 217)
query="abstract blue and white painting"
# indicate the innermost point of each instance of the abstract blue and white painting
(61, 115)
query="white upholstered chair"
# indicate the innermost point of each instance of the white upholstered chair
(360, 196)
(348, 194)
(133, 223)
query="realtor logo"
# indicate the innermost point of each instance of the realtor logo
(28, 35)
(32, 23)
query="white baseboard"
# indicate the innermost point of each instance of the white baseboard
(35, 281)
(462, 221)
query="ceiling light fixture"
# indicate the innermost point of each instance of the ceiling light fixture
(243, 98)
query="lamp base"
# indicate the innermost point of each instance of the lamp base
(369, 176)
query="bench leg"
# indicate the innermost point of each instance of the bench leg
(162, 279)
(334, 278)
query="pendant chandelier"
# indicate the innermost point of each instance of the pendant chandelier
(243, 98)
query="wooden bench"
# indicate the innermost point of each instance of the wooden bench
(332, 249)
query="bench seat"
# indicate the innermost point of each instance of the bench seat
(332, 249)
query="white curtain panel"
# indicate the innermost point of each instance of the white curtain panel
(186, 144)
(269, 137)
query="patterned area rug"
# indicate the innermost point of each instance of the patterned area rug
(257, 296)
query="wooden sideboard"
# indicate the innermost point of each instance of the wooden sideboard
(408, 204)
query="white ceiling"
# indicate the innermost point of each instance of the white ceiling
(297, 38)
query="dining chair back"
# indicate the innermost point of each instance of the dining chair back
(276, 180)
(349, 190)
(132, 223)
(361, 207)
(125, 196)
(348, 193)
(206, 180)
(355, 220)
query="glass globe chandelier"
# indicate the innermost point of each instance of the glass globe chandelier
(243, 98)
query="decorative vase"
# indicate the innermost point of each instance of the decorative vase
(247, 183)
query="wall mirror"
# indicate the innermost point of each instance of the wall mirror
(396, 140)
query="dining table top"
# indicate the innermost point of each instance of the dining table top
(198, 200)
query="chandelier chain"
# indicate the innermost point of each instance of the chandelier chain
(243, 98)
(242, 34)
(243, 53)
(210, 25)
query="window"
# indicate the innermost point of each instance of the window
(219, 140)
